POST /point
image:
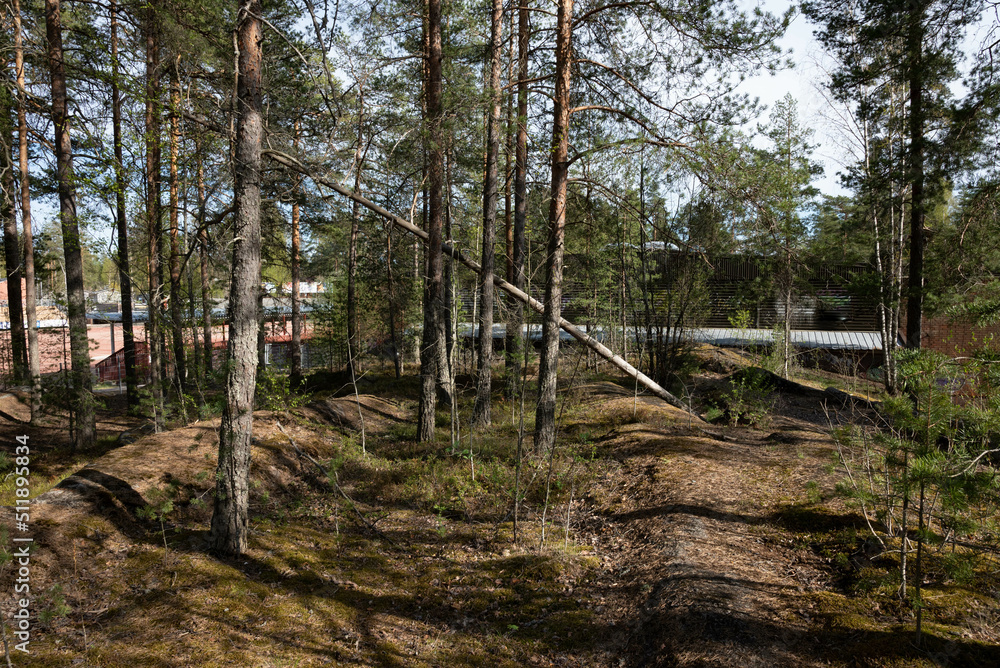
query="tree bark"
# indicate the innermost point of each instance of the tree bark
(34, 359)
(192, 314)
(124, 268)
(176, 312)
(153, 229)
(514, 339)
(548, 366)
(430, 352)
(397, 360)
(915, 160)
(484, 370)
(229, 519)
(261, 331)
(353, 342)
(11, 245)
(83, 400)
(446, 337)
(295, 373)
(206, 306)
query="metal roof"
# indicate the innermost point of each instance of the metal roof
(720, 336)
(842, 340)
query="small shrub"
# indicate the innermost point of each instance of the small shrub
(960, 567)
(274, 392)
(53, 605)
(750, 397)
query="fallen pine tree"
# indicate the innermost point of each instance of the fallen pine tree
(568, 327)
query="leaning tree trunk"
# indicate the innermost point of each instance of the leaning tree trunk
(484, 370)
(535, 305)
(83, 401)
(124, 271)
(430, 354)
(545, 414)
(229, 519)
(34, 359)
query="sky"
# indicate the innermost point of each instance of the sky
(806, 79)
(804, 82)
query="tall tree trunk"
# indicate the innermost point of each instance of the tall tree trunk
(548, 365)
(430, 352)
(229, 519)
(83, 400)
(295, 373)
(786, 326)
(397, 360)
(446, 342)
(353, 341)
(176, 312)
(508, 169)
(11, 244)
(515, 341)
(153, 229)
(484, 370)
(34, 359)
(192, 316)
(915, 168)
(124, 269)
(261, 331)
(419, 251)
(206, 305)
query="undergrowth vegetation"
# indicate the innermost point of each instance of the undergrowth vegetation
(477, 550)
(924, 477)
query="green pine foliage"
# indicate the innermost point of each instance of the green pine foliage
(925, 473)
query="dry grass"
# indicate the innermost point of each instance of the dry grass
(686, 544)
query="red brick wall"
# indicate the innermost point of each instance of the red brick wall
(952, 337)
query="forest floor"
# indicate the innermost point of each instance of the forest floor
(646, 538)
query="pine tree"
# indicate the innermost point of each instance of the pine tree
(229, 519)
(913, 45)
(83, 401)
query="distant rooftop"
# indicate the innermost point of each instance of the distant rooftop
(804, 338)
